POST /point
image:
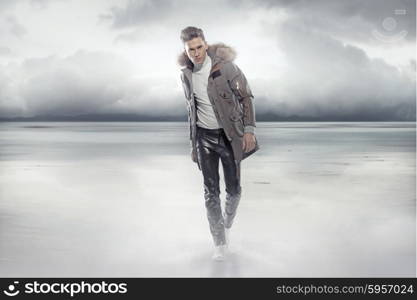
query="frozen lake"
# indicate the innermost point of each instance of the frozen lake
(124, 199)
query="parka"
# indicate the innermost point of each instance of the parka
(229, 94)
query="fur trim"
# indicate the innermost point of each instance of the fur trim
(220, 50)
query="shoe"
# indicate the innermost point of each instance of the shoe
(219, 253)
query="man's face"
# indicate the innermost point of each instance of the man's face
(196, 50)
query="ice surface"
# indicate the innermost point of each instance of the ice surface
(125, 199)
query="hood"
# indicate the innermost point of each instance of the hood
(217, 52)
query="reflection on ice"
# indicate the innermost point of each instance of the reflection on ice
(124, 199)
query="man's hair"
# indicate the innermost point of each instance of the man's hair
(190, 32)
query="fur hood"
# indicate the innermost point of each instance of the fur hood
(218, 51)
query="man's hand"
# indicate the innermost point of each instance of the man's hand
(249, 142)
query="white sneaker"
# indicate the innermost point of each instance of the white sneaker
(219, 253)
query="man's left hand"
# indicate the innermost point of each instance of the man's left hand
(249, 142)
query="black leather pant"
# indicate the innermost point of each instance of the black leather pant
(212, 145)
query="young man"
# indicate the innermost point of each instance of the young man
(221, 117)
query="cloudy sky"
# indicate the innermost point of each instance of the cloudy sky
(331, 60)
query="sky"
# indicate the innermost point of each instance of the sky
(328, 60)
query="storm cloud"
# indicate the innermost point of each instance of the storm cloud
(83, 83)
(326, 60)
(328, 79)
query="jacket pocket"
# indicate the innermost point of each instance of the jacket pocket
(226, 98)
(224, 94)
(237, 123)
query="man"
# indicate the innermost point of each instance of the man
(221, 117)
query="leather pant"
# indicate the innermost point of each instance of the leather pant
(212, 145)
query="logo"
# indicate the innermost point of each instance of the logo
(11, 291)
(389, 24)
(70, 288)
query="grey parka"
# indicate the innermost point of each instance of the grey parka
(230, 95)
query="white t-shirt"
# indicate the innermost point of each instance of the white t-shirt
(205, 113)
